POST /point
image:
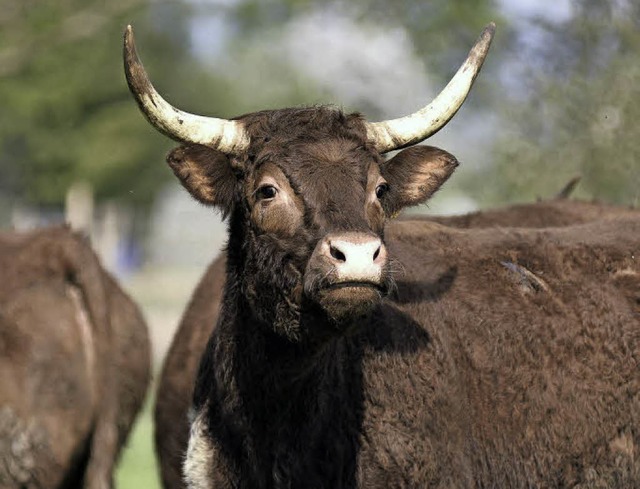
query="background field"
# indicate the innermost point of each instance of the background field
(162, 294)
(138, 468)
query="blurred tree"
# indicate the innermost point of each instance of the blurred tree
(66, 112)
(578, 111)
(441, 31)
(436, 27)
(67, 115)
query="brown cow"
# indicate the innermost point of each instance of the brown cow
(352, 353)
(175, 386)
(74, 363)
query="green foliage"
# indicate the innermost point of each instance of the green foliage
(138, 466)
(580, 115)
(440, 29)
(67, 114)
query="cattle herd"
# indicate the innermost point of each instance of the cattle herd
(333, 344)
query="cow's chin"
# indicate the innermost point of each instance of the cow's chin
(347, 301)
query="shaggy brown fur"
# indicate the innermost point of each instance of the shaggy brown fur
(175, 388)
(551, 213)
(74, 363)
(497, 359)
(513, 385)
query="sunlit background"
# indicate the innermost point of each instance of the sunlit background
(559, 96)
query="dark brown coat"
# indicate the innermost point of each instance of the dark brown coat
(481, 365)
(74, 363)
(499, 358)
(506, 360)
(176, 381)
(543, 214)
(519, 365)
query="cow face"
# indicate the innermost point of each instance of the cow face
(307, 192)
(312, 202)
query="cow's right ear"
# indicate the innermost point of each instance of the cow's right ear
(206, 173)
(414, 174)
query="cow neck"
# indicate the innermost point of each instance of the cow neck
(280, 410)
(273, 362)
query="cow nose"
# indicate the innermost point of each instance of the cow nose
(356, 257)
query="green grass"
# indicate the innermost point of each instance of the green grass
(162, 293)
(138, 467)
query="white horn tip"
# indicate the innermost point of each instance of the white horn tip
(489, 31)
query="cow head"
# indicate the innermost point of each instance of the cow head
(308, 193)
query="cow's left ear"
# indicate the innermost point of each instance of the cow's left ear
(414, 174)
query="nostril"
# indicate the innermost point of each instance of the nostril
(375, 255)
(337, 254)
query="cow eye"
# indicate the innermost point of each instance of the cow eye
(382, 189)
(266, 192)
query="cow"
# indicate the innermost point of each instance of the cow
(351, 350)
(74, 363)
(178, 375)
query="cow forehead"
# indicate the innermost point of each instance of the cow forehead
(330, 168)
(335, 150)
(323, 162)
(330, 176)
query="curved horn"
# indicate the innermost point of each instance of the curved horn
(411, 129)
(224, 135)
